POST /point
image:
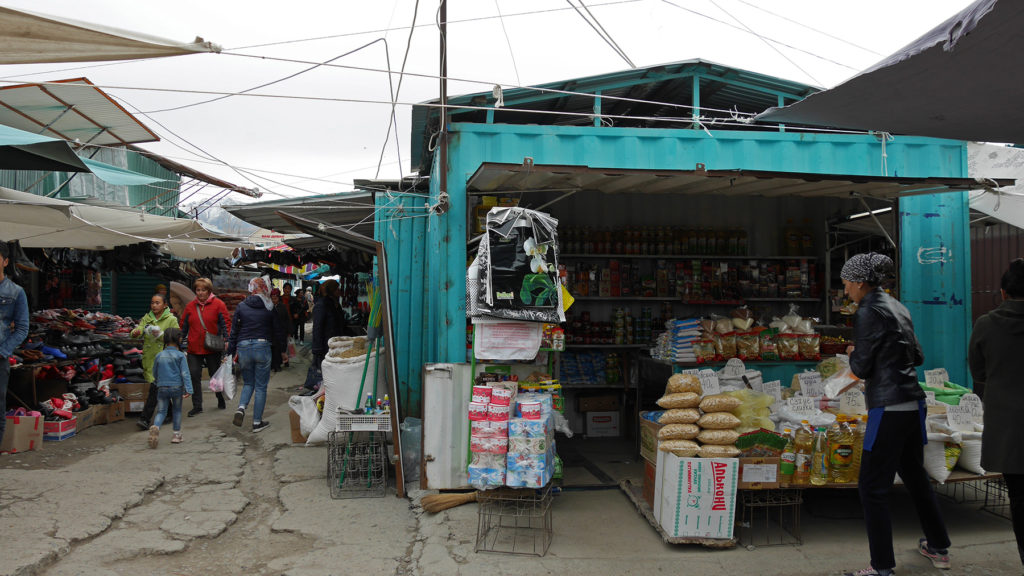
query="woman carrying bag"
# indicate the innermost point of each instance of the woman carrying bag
(206, 326)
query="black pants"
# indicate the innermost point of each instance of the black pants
(1015, 489)
(898, 448)
(195, 369)
(150, 407)
(300, 329)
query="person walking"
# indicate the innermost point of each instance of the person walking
(994, 356)
(326, 325)
(254, 328)
(296, 303)
(13, 327)
(173, 381)
(151, 328)
(884, 354)
(207, 314)
(279, 347)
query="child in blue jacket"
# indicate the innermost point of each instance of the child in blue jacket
(173, 382)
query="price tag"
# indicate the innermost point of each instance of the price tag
(929, 398)
(936, 378)
(960, 418)
(810, 384)
(709, 382)
(973, 402)
(803, 405)
(852, 402)
(773, 389)
(691, 372)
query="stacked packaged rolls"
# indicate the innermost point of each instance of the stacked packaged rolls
(530, 462)
(488, 440)
(694, 425)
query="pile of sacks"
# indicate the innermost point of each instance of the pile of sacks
(695, 425)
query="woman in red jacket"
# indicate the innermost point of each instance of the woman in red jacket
(205, 314)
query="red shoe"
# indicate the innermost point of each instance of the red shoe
(133, 351)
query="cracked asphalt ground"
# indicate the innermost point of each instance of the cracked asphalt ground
(229, 502)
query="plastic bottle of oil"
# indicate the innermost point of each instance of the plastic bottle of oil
(787, 461)
(841, 451)
(859, 428)
(802, 442)
(819, 458)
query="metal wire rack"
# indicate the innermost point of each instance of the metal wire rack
(997, 500)
(770, 517)
(515, 521)
(364, 423)
(356, 468)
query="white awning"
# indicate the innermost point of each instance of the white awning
(33, 38)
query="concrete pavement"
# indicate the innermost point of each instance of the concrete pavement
(227, 501)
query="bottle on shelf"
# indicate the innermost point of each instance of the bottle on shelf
(802, 443)
(819, 458)
(841, 451)
(859, 427)
(787, 461)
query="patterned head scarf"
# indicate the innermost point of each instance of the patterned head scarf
(260, 287)
(871, 267)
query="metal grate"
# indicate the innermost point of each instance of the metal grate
(356, 469)
(770, 517)
(514, 521)
(997, 500)
(363, 422)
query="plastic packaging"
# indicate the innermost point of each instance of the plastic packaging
(819, 458)
(803, 445)
(787, 461)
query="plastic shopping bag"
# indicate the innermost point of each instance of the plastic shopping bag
(309, 416)
(291, 347)
(224, 380)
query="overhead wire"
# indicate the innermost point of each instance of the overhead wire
(811, 28)
(511, 53)
(607, 40)
(607, 34)
(393, 118)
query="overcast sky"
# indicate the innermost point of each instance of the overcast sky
(305, 135)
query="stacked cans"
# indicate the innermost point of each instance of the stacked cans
(489, 411)
(530, 461)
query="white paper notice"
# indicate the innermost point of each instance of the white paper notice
(507, 340)
(852, 402)
(972, 402)
(936, 378)
(803, 405)
(960, 418)
(810, 384)
(773, 389)
(929, 398)
(709, 382)
(759, 473)
(691, 371)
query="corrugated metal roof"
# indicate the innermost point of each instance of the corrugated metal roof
(73, 110)
(660, 97)
(351, 210)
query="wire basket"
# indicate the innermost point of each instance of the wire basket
(514, 521)
(997, 499)
(356, 469)
(770, 517)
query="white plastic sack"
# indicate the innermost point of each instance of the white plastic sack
(941, 454)
(309, 416)
(970, 453)
(224, 379)
(341, 389)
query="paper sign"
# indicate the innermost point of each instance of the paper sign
(852, 402)
(803, 405)
(960, 418)
(936, 378)
(759, 473)
(929, 398)
(973, 402)
(810, 384)
(773, 389)
(691, 372)
(709, 382)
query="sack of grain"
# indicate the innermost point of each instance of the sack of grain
(720, 403)
(718, 421)
(679, 400)
(683, 383)
(681, 448)
(718, 451)
(680, 416)
(720, 437)
(679, 432)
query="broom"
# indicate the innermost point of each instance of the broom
(435, 503)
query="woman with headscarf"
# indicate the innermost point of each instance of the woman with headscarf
(884, 354)
(279, 347)
(206, 314)
(254, 328)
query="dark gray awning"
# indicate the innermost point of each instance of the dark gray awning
(958, 81)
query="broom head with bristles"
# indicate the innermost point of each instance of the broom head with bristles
(435, 503)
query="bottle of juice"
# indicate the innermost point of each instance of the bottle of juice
(841, 452)
(802, 443)
(819, 458)
(787, 461)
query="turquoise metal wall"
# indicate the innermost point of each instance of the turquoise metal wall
(401, 226)
(440, 329)
(134, 292)
(935, 278)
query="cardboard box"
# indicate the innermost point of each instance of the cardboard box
(603, 424)
(22, 433)
(695, 497)
(62, 430)
(297, 437)
(649, 439)
(115, 412)
(603, 403)
(134, 395)
(759, 473)
(86, 418)
(650, 479)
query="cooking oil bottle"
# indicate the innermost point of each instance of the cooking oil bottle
(787, 462)
(841, 451)
(859, 429)
(802, 443)
(819, 458)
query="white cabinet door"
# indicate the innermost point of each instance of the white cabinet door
(447, 389)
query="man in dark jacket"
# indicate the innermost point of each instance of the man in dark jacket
(326, 325)
(884, 355)
(996, 357)
(253, 330)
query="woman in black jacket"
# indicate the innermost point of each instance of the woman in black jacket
(327, 324)
(884, 355)
(253, 329)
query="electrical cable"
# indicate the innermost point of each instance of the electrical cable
(393, 119)
(602, 36)
(607, 34)
(511, 53)
(811, 28)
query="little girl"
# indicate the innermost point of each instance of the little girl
(172, 378)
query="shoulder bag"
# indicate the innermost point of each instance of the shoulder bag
(212, 342)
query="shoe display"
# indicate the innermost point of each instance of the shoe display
(939, 558)
(154, 436)
(261, 426)
(239, 416)
(194, 411)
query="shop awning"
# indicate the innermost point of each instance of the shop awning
(31, 38)
(21, 150)
(352, 211)
(39, 222)
(495, 178)
(958, 81)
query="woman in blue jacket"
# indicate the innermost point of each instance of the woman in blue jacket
(253, 329)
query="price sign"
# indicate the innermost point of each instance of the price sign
(852, 402)
(929, 398)
(773, 389)
(936, 378)
(709, 382)
(960, 418)
(973, 402)
(690, 371)
(810, 384)
(803, 405)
